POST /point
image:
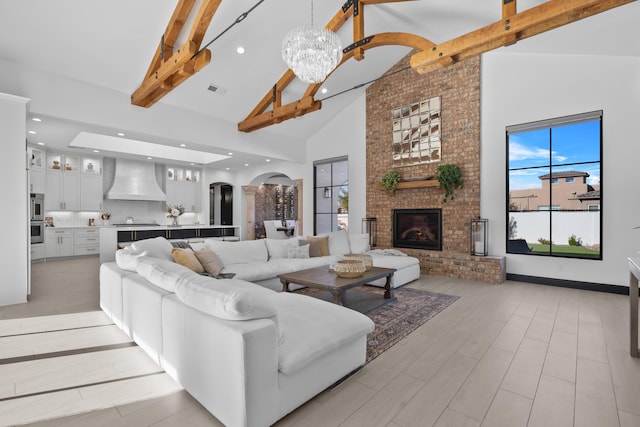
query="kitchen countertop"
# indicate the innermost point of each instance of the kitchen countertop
(131, 227)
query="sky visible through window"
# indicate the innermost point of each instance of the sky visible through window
(574, 147)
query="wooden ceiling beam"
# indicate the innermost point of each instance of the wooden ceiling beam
(307, 104)
(545, 17)
(285, 112)
(177, 21)
(191, 67)
(334, 24)
(168, 69)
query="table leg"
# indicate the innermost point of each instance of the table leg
(633, 312)
(337, 297)
(388, 292)
(285, 285)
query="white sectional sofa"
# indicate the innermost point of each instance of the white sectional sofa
(260, 261)
(250, 355)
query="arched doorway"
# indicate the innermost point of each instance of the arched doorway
(220, 203)
(272, 196)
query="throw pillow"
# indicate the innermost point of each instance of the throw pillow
(298, 251)
(180, 244)
(211, 262)
(314, 247)
(187, 258)
(158, 247)
(324, 244)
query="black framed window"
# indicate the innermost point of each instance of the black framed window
(554, 188)
(331, 195)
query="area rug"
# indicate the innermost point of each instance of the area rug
(394, 321)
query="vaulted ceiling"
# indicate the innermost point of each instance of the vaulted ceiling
(110, 45)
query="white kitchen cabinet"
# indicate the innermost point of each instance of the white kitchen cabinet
(36, 169)
(58, 242)
(37, 251)
(62, 189)
(86, 241)
(91, 192)
(184, 187)
(36, 181)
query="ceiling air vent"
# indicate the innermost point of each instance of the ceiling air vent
(216, 89)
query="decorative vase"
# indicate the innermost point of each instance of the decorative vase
(349, 268)
(366, 258)
(174, 221)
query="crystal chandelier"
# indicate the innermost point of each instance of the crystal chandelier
(311, 52)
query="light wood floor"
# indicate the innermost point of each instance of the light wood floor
(503, 355)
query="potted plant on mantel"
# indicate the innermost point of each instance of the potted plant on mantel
(389, 182)
(450, 177)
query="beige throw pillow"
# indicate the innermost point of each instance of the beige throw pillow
(187, 258)
(211, 262)
(314, 247)
(324, 244)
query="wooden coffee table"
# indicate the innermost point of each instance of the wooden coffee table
(326, 280)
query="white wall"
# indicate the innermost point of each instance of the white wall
(342, 136)
(520, 88)
(14, 215)
(345, 135)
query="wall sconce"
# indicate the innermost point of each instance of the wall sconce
(327, 192)
(370, 227)
(478, 237)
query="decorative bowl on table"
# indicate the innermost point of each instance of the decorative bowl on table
(349, 268)
(366, 258)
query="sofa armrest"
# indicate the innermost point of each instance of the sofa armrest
(230, 367)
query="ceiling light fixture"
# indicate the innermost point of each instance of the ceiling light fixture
(324, 90)
(246, 164)
(267, 160)
(149, 158)
(96, 151)
(36, 119)
(32, 132)
(311, 52)
(240, 50)
(120, 134)
(230, 153)
(183, 145)
(40, 143)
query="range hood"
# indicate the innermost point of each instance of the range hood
(134, 180)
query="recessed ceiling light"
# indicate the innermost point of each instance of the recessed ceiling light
(120, 134)
(240, 50)
(324, 90)
(149, 158)
(40, 143)
(96, 151)
(227, 168)
(183, 145)
(246, 164)
(32, 132)
(192, 164)
(267, 160)
(36, 119)
(230, 153)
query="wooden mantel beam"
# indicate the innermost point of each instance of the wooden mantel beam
(515, 27)
(170, 68)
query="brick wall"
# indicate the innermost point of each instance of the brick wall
(459, 89)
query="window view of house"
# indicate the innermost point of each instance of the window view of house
(554, 200)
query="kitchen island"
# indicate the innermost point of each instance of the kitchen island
(111, 237)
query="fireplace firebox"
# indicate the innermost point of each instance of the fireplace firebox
(417, 229)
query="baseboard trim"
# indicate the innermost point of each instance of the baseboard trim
(573, 284)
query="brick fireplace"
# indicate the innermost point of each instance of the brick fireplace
(459, 88)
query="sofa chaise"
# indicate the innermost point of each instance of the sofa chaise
(247, 353)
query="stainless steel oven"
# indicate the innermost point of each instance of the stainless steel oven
(37, 207)
(37, 231)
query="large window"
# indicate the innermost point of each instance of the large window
(554, 187)
(331, 195)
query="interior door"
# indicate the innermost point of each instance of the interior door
(226, 204)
